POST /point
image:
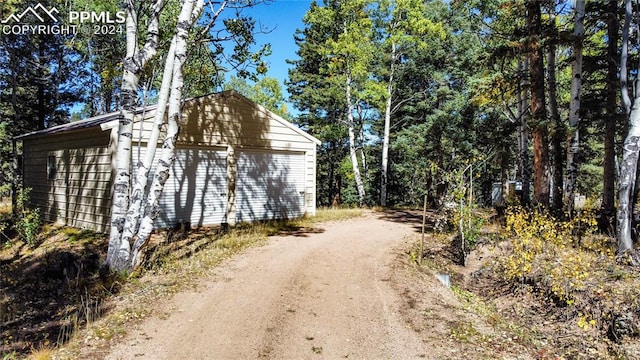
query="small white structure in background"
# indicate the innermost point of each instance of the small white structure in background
(497, 198)
(579, 201)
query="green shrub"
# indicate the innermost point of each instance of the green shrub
(28, 220)
(5, 191)
(469, 224)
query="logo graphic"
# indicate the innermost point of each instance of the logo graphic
(38, 20)
(39, 12)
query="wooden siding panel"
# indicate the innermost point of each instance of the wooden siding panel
(310, 183)
(80, 193)
(239, 124)
(236, 128)
(91, 137)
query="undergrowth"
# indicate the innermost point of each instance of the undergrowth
(26, 221)
(574, 268)
(560, 255)
(48, 290)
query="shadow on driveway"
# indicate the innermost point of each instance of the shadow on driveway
(413, 217)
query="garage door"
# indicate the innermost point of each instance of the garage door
(196, 191)
(270, 185)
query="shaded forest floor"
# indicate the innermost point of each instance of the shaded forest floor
(49, 293)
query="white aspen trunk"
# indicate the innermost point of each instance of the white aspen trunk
(572, 170)
(352, 143)
(628, 167)
(190, 12)
(385, 136)
(118, 251)
(574, 107)
(624, 57)
(363, 154)
(627, 179)
(120, 199)
(143, 166)
(135, 60)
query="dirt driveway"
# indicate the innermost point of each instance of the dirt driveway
(344, 291)
(327, 294)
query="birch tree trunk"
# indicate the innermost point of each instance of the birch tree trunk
(363, 154)
(189, 14)
(144, 166)
(352, 143)
(627, 180)
(631, 147)
(387, 127)
(574, 107)
(118, 253)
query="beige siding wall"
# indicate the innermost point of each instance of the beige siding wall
(80, 191)
(80, 194)
(270, 184)
(310, 186)
(196, 190)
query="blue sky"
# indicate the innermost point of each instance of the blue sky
(284, 17)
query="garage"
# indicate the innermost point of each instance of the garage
(236, 161)
(196, 192)
(270, 185)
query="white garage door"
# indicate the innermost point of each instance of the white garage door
(270, 185)
(196, 191)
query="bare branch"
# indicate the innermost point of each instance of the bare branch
(153, 33)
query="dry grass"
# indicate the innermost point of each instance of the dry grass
(45, 353)
(600, 321)
(330, 214)
(577, 302)
(46, 291)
